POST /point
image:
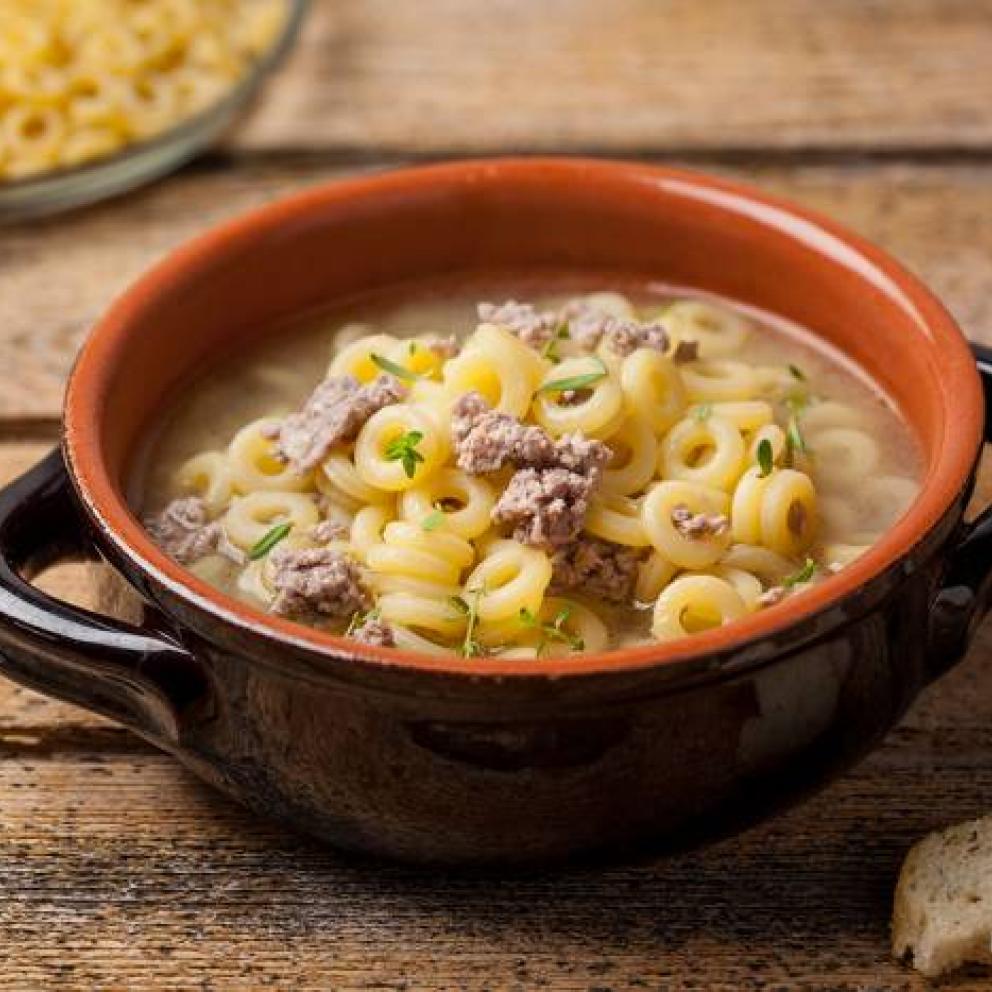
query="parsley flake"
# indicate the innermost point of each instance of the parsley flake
(803, 575)
(702, 413)
(433, 520)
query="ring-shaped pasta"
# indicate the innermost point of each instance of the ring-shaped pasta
(509, 579)
(653, 574)
(498, 366)
(748, 586)
(596, 410)
(692, 603)
(253, 464)
(885, 499)
(208, 476)
(719, 331)
(820, 416)
(652, 389)
(696, 552)
(417, 356)
(616, 518)
(356, 360)
(581, 626)
(789, 516)
(372, 461)
(418, 612)
(634, 460)
(709, 452)
(718, 381)
(769, 566)
(465, 500)
(745, 415)
(775, 436)
(406, 549)
(367, 527)
(249, 518)
(844, 455)
(338, 479)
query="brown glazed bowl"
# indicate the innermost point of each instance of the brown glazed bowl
(475, 760)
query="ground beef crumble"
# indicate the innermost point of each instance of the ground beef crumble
(375, 632)
(546, 507)
(183, 530)
(533, 328)
(600, 569)
(624, 337)
(699, 525)
(335, 412)
(486, 440)
(547, 498)
(329, 530)
(321, 581)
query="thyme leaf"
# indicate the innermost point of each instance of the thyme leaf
(269, 540)
(404, 450)
(766, 458)
(400, 371)
(582, 381)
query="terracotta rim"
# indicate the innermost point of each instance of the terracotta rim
(942, 485)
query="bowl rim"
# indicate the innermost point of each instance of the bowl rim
(120, 529)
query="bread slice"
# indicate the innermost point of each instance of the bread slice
(943, 904)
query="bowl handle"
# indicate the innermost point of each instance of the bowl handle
(139, 676)
(966, 591)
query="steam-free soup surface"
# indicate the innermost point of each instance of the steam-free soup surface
(526, 470)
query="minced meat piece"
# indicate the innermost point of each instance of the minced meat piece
(316, 581)
(582, 455)
(443, 347)
(586, 323)
(600, 569)
(772, 595)
(685, 352)
(698, 525)
(546, 506)
(183, 530)
(486, 440)
(376, 632)
(625, 336)
(533, 328)
(329, 530)
(335, 411)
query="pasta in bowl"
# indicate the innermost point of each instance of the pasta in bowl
(529, 479)
(768, 607)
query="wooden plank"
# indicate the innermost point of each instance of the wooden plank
(468, 76)
(56, 277)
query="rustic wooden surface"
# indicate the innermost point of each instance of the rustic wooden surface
(118, 871)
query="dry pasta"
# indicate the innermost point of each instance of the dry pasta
(82, 79)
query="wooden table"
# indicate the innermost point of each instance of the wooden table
(119, 871)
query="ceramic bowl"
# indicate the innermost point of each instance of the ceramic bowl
(488, 760)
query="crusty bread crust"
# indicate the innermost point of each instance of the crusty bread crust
(942, 917)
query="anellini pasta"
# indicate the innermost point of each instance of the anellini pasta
(81, 79)
(528, 480)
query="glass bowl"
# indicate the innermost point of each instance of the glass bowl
(141, 163)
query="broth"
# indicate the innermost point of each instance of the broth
(747, 461)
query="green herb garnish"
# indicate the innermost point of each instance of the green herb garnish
(561, 334)
(797, 373)
(702, 413)
(803, 575)
(554, 631)
(433, 520)
(265, 544)
(393, 369)
(471, 648)
(576, 381)
(766, 458)
(359, 619)
(404, 449)
(793, 434)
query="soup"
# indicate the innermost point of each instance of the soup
(456, 472)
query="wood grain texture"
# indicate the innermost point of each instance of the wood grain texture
(57, 277)
(120, 871)
(467, 76)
